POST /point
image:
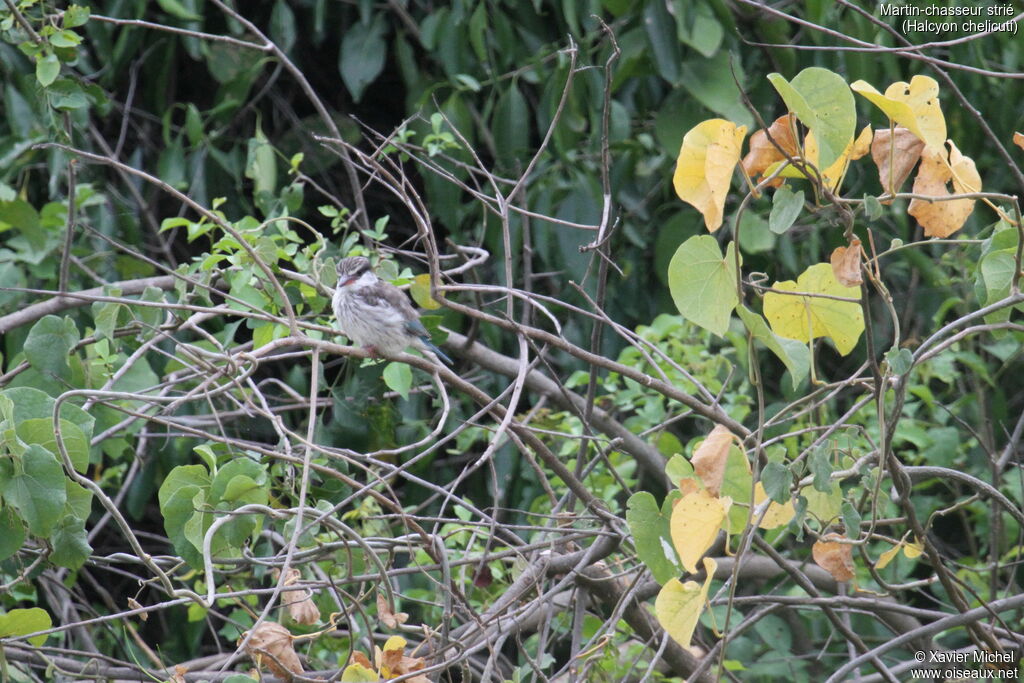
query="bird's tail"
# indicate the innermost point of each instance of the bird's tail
(429, 346)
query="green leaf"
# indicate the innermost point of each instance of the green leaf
(851, 519)
(178, 510)
(104, 316)
(282, 25)
(711, 82)
(24, 218)
(511, 126)
(261, 163)
(47, 69)
(240, 466)
(649, 526)
(697, 27)
(12, 532)
(194, 131)
(363, 50)
(823, 101)
(181, 477)
(794, 354)
(40, 431)
(703, 283)
(176, 9)
(872, 207)
(820, 464)
(777, 479)
(36, 489)
(678, 468)
(786, 207)
(29, 403)
(79, 500)
(70, 543)
(75, 15)
(661, 35)
(65, 39)
(398, 377)
(824, 506)
(899, 360)
(20, 622)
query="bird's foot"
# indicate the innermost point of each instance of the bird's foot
(372, 351)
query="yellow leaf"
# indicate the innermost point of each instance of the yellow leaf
(709, 459)
(885, 558)
(420, 291)
(942, 219)
(913, 550)
(855, 149)
(806, 317)
(696, 520)
(357, 673)
(394, 643)
(678, 605)
(777, 514)
(915, 106)
(704, 168)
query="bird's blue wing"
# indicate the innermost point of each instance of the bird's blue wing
(416, 327)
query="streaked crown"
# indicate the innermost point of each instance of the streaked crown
(352, 267)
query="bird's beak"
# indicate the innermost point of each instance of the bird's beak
(347, 281)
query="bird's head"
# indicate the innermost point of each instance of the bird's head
(351, 269)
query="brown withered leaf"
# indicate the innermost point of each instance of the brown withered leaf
(304, 610)
(179, 674)
(834, 557)
(709, 459)
(394, 662)
(361, 659)
(134, 604)
(299, 601)
(271, 645)
(942, 219)
(387, 615)
(846, 264)
(896, 160)
(763, 153)
(1018, 139)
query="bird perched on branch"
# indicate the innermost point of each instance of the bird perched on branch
(377, 315)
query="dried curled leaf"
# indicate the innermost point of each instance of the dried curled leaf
(943, 218)
(299, 602)
(1018, 139)
(895, 155)
(846, 264)
(704, 168)
(834, 557)
(763, 154)
(387, 615)
(270, 644)
(710, 457)
(393, 661)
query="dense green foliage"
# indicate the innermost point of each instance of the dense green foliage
(179, 422)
